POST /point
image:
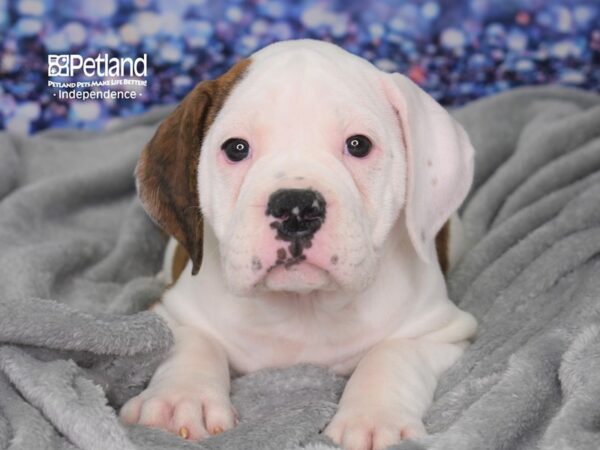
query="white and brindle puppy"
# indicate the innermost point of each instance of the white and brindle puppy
(308, 189)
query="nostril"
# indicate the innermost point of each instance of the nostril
(314, 211)
(277, 210)
(281, 214)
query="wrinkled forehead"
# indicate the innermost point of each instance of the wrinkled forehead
(300, 84)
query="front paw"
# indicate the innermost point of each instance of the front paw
(191, 412)
(364, 428)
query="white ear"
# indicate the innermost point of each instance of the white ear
(439, 162)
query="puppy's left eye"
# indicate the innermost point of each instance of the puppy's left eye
(236, 149)
(358, 145)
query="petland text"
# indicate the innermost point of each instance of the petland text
(101, 66)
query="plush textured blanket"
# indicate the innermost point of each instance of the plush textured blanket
(78, 255)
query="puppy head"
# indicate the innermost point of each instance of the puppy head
(301, 160)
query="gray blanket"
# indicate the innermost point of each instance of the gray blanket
(78, 255)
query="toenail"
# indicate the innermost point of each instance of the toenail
(184, 432)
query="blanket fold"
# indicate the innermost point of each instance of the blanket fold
(78, 258)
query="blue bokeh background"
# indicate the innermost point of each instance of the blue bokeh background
(456, 50)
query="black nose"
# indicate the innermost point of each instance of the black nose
(300, 212)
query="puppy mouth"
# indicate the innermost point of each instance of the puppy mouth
(298, 276)
(293, 271)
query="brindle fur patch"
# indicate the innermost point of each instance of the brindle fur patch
(180, 260)
(442, 246)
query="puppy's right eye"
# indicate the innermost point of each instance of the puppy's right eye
(358, 145)
(236, 149)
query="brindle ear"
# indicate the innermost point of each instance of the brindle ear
(167, 171)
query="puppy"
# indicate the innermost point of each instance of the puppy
(307, 189)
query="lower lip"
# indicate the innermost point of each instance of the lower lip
(302, 276)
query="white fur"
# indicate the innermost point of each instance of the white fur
(381, 310)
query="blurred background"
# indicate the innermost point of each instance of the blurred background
(456, 50)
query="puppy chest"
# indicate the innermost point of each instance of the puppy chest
(338, 346)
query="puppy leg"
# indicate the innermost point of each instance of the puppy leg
(389, 392)
(189, 393)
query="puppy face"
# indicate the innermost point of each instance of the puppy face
(308, 200)
(301, 159)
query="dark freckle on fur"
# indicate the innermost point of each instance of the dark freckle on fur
(280, 174)
(256, 264)
(281, 253)
(299, 178)
(334, 259)
(429, 163)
